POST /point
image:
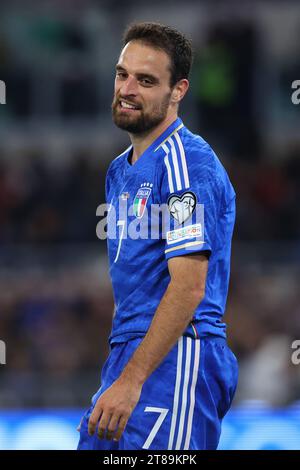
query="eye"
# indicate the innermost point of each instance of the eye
(121, 75)
(146, 82)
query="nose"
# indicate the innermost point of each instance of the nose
(129, 86)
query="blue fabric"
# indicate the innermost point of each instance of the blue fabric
(191, 390)
(178, 164)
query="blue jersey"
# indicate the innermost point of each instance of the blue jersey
(180, 172)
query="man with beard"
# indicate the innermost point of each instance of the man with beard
(170, 377)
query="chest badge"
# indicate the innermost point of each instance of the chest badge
(141, 198)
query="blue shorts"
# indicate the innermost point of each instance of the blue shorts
(182, 403)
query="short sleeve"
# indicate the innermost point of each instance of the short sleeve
(191, 196)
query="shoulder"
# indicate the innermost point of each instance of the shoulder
(202, 159)
(190, 161)
(189, 155)
(199, 154)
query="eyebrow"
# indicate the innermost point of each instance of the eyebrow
(140, 75)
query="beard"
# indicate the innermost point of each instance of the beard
(141, 122)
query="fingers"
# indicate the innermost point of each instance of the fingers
(94, 418)
(111, 429)
(121, 427)
(103, 424)
(110, 426)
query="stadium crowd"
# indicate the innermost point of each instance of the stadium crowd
(55, 321)
(55, 297)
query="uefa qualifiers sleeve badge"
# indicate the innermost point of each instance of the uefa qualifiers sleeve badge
(182, 207)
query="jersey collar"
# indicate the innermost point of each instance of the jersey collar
(174, 127)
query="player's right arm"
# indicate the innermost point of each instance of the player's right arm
(185, 291)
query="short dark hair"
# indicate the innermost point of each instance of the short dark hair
(167, 39)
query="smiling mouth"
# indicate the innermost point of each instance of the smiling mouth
(125, 105)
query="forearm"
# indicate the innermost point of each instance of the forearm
(173, 314)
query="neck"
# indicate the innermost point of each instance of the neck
(141, 142)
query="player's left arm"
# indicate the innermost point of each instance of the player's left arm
(184, 293)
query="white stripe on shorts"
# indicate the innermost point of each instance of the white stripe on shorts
(182, 392)
(177, 392)
(192, 395)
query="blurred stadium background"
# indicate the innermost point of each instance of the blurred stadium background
(56, 141)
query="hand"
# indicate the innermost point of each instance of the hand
(114, 407)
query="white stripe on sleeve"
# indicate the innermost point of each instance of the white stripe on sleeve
(175, 164)
(167, 163)
(183, 161)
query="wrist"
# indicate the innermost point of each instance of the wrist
(134, 375)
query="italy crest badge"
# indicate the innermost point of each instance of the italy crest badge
(141, 199)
